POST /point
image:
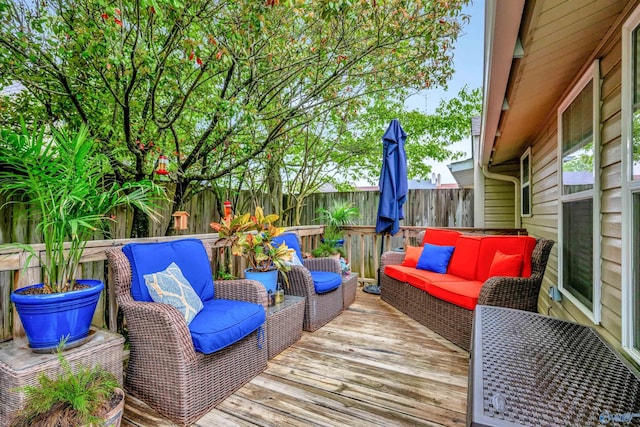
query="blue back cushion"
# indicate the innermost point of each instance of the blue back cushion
(188, 254)
(435, 258)
(291, 240)
(223, 322)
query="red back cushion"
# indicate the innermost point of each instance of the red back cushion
(411, 256)
(465, 257)
(508, 245)
(506, 265)
(436, 236)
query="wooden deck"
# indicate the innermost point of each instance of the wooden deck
(372, 365)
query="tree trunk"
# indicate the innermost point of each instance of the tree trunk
(274, 187)
(140, 224)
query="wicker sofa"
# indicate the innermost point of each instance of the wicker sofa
(164, 368)
(445, 302)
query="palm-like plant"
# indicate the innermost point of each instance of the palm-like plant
(63, 177)
(341, 213)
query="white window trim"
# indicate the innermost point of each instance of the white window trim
(525, 183)
(592, 74)
(629, 187)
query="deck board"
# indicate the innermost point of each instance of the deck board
(371, 366)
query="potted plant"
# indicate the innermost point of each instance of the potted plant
(84, 396)
(251, 237)
(61, 178)
(328, 248)
(341, 213)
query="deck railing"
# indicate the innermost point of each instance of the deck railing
(362, 245)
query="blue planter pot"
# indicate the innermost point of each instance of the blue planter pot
(268, 278)
(49, 317)
(336, 244)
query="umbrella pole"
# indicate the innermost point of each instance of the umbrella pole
(375, 289)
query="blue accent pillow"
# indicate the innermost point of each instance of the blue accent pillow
(223, 322)
(188, 254)
(169, 286)
(435, 258)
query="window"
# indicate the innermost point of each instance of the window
(525, 183)
(578, 216)
(631, 185)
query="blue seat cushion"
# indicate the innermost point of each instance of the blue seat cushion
(223, 322)
(325, 281)
(291, 240)
(188, 254)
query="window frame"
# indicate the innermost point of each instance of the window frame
(629, 189)
(592, 74)
(525, 183)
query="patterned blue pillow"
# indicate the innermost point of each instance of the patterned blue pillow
(170, 287)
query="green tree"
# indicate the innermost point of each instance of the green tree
(213, 84)
(334, 150)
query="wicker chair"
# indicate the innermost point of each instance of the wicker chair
(319, 308)
(454, 322)
(164, 370)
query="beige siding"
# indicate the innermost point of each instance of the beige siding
(543, 222)
(499, 203)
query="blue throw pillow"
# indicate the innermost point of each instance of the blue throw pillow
(435, 258)
(169, 286)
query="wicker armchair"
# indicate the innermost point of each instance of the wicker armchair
(454, 322)
(319, 308)
(164, 370)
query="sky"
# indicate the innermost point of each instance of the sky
(468, 62)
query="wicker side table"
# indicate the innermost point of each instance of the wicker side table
(19, 366)
(284, 324)
(349, 285)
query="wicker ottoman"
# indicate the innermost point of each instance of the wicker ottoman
(19, 366)
(284, 324)
(349, 285)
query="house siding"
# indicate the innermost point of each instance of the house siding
(545, 203)
(499, 198)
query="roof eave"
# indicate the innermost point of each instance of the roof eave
(502, 24)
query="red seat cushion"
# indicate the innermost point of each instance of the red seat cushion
(464, 260)
(436, 236)
(398, 272)
(509, 245)
(421, 278)
(411, 256)
(506, 265)
(462, 293)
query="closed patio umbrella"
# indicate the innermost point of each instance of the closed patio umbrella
(393, 187)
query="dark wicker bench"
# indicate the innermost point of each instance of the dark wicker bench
(454, 322)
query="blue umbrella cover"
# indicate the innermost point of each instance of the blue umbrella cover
(393, 186)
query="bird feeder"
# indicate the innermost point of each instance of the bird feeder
(180, 220)
(227, 209)
(163, 162)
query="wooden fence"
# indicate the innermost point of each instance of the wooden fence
(436, 208)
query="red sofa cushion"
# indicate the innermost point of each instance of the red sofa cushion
(506, 265)
(464, 260)
(411, 256)
(398, 272)
(421, 278)
(463, 293)
(509, 245)
(436, 236)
